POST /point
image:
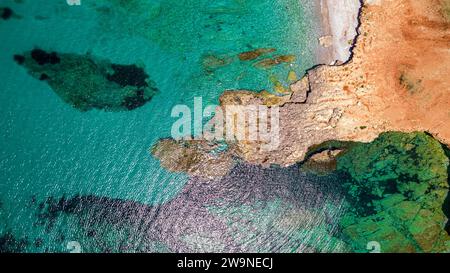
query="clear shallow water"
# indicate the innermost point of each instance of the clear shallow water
(51, 149)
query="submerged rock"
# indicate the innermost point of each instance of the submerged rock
(397, 188)
(10, 244)
(86, 82)
(211, 62)
(277, 60)
(254, 54)
(322, 163)
(366, 96)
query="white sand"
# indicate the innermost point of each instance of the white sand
(340, 20)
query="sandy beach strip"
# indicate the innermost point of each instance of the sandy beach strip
(339, 23)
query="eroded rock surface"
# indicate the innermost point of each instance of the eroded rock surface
(396, 81)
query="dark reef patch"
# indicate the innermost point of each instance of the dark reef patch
(128, 75)
(42, 57)
(19, 59)
(10, 244)
(86, 82)
(136, 101)
(43, 77)
(6, 13)
(38, 242)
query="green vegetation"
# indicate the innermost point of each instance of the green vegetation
(396, 187)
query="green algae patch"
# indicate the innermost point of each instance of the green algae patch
(211, 62)
(396, 187)
(86, 82)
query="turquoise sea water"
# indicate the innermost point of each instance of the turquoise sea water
(52, 149)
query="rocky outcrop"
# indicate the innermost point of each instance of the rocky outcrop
(10, 244)
(321, 163)
(397, 185)
(86, 82)
(394, 82)
(254, 54)
(7, 13)
(194, 157)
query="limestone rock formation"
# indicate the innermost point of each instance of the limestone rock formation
(194, 157)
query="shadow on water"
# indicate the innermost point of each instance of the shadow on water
(250, 209)
(446, 205)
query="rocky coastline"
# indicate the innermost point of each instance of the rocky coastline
(369, 94)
